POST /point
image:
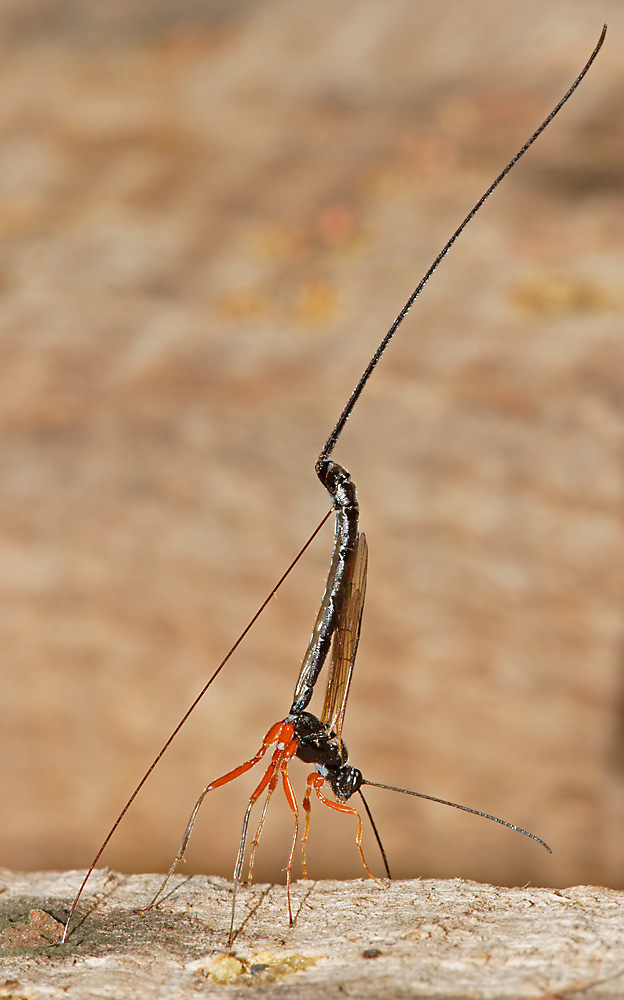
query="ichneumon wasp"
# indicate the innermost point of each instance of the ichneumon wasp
(318, 740)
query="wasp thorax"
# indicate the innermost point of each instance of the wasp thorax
(316, 745)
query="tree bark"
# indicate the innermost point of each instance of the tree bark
(427, 938)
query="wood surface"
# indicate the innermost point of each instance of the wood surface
(431, 938)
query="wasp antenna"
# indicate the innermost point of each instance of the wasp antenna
(355, 395)
(376, 832)
(456, 805)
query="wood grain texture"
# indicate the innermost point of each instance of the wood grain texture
(430, 938)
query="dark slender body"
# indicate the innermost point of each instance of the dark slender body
(341, 489)
(317, 744)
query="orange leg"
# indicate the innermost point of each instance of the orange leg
(259, 828)
(307, 805)
(280, 732)
(285, 749)
(280, 758)
(291, 798)
(269, 779)
(316, 781)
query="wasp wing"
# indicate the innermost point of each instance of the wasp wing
(346, 637)
(314, 657)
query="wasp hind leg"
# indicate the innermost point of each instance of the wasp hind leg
(272, 736)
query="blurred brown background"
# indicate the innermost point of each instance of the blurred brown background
(210, 213)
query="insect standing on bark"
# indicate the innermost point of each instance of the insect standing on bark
(317, 740)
